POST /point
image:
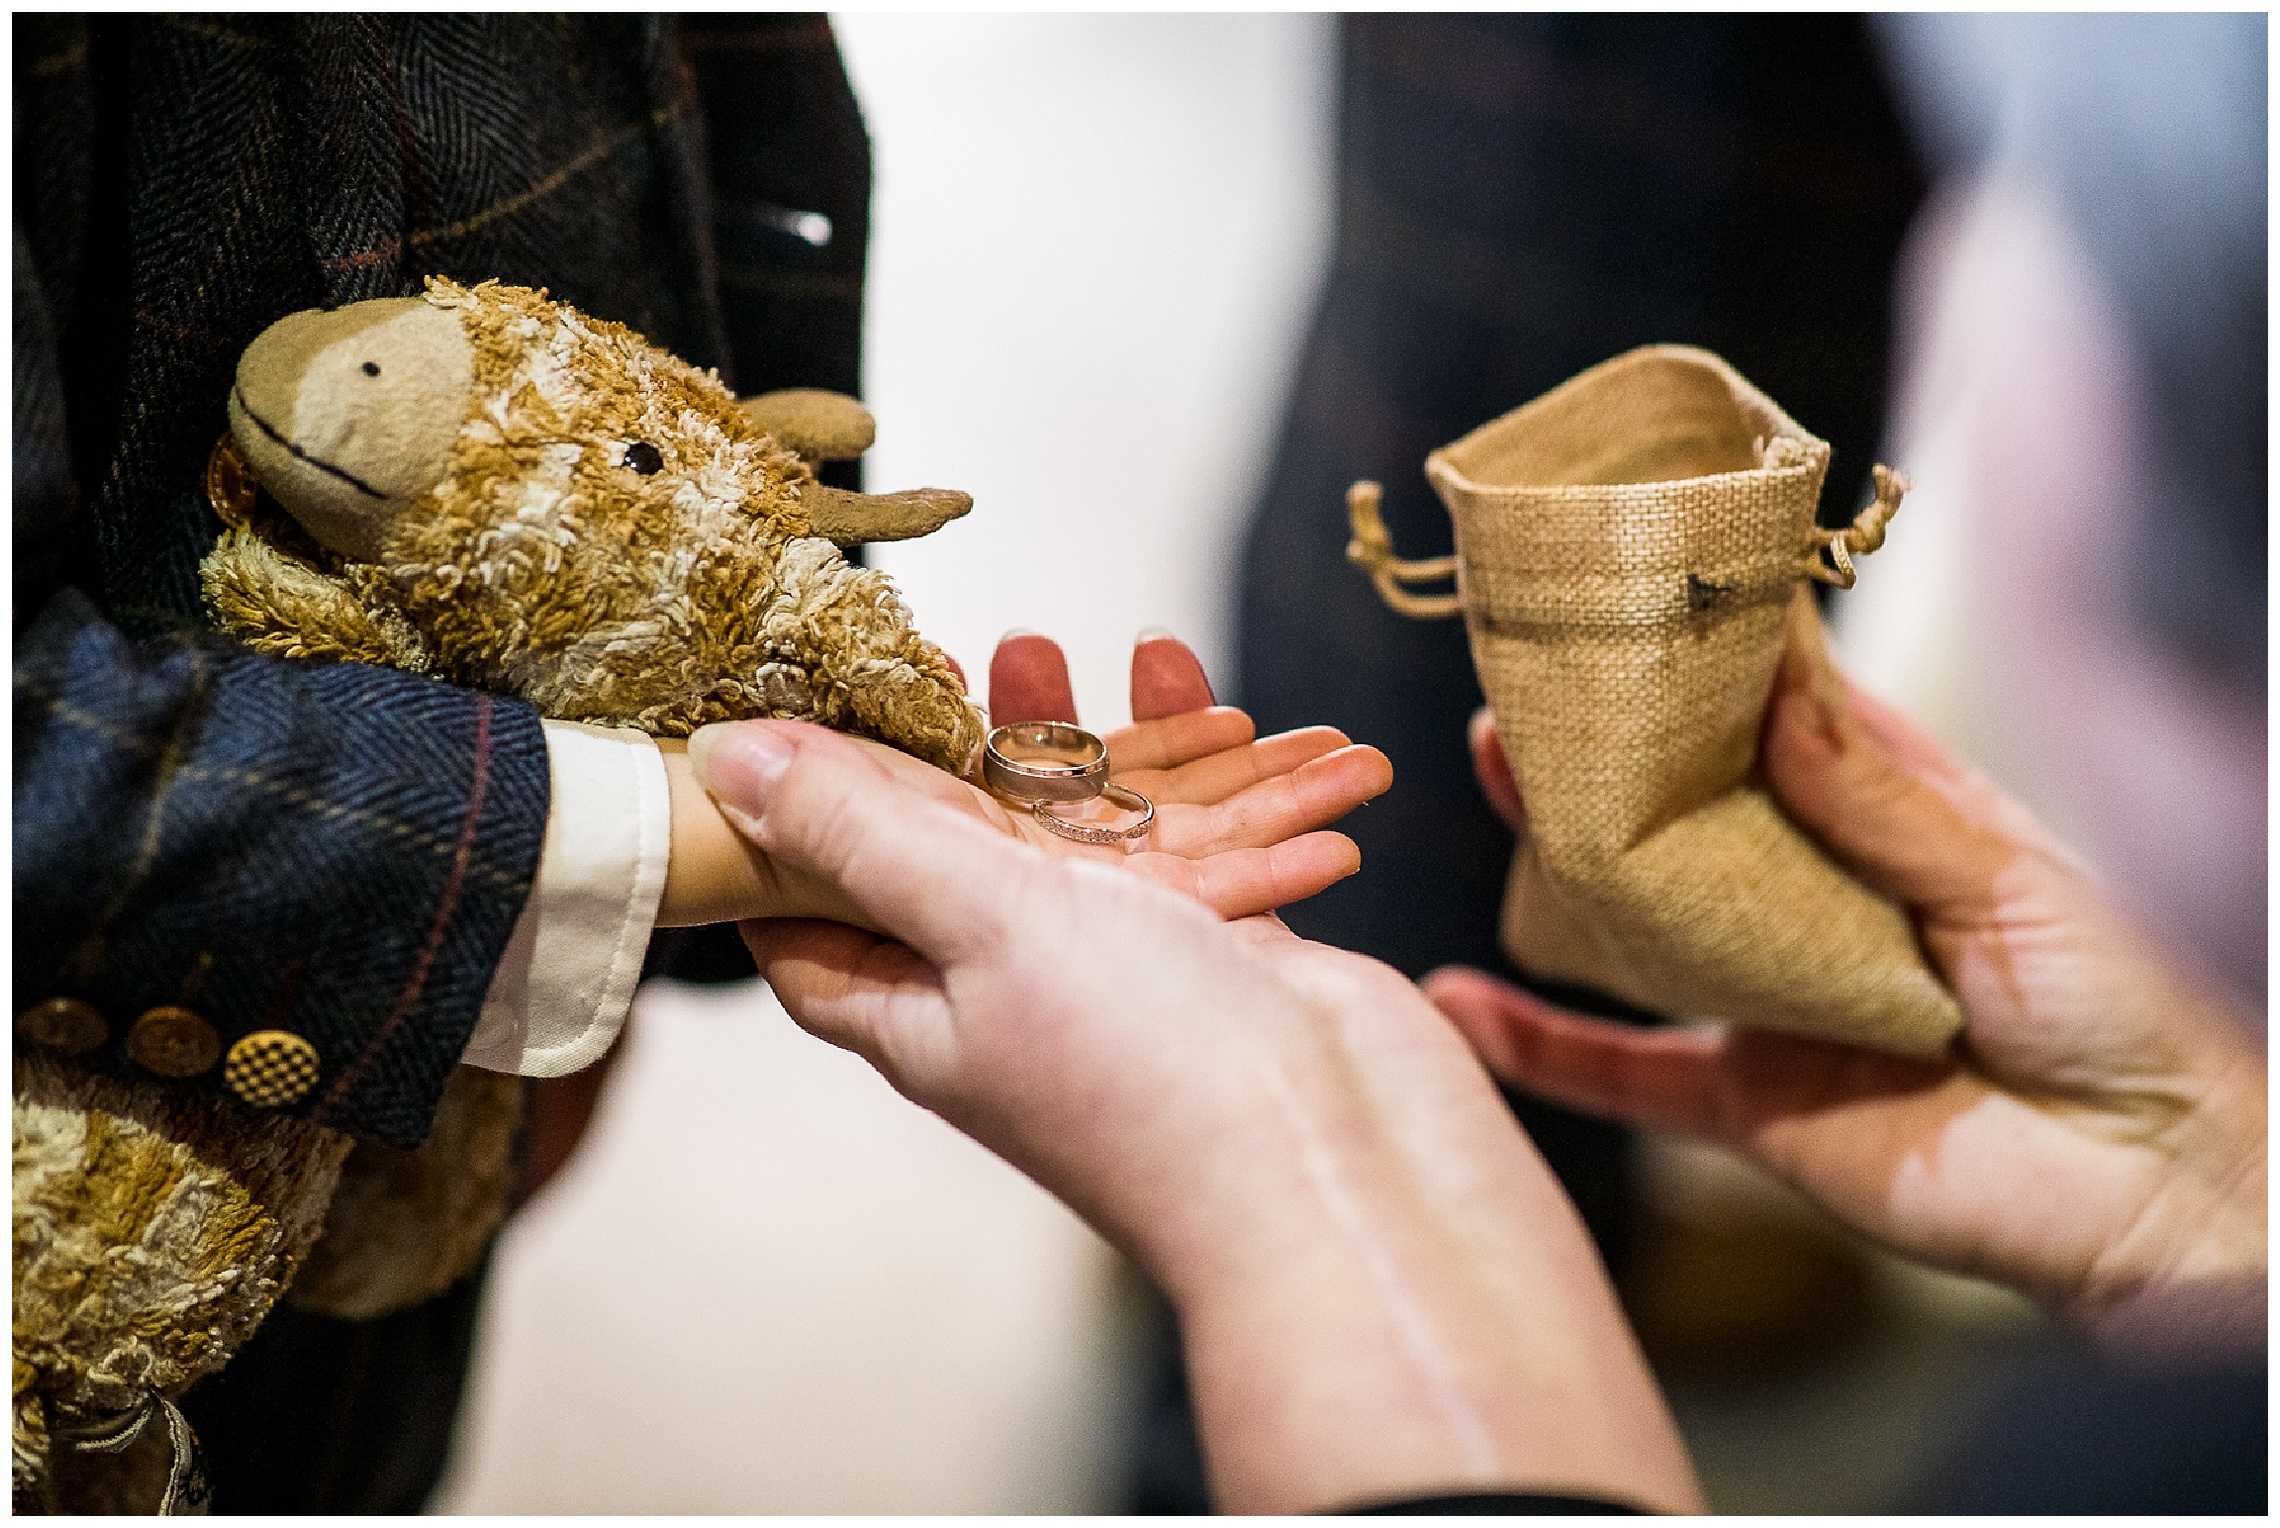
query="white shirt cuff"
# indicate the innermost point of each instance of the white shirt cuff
(561, 993)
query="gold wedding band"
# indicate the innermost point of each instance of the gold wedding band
(1045, 761)
(1085, 832)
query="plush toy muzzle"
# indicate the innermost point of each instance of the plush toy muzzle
(348, 416)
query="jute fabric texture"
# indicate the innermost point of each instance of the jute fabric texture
(1633, 549)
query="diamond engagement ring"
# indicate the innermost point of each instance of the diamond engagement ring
(1087, 833)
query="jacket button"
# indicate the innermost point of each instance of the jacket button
(173, 1042)
(271, 1068)
(65, 1024)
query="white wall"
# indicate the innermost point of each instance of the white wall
(768, 1284)
(1097, 241)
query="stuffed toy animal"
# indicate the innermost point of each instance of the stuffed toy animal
(492, 488)
(500, 491)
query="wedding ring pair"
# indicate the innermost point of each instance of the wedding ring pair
(1047, 762)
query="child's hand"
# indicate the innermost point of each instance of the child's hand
(1237, 819)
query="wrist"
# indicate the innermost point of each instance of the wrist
(715, 875)
(1372, 1311)
(2188, 1279)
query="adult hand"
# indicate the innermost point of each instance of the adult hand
(1381, 1287)
(2098, 1140)
(1238, 818)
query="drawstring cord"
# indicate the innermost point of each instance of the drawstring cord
(1371, 550)
(1860, 538)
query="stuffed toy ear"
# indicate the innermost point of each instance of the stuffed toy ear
(812, 424)
(819, 426)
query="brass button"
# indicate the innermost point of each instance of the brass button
(64, 1024)
(271, 1068)
(173, 1042)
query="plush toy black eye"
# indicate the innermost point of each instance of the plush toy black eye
(642, 457)
(372, 368)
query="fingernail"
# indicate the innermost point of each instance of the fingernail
(1016, 631)
(1814, 687)
(740, 762)
(1794, 673)
(1811, 710)
(1154, 634)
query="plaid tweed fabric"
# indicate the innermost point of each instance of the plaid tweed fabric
(316, 848)
(342, 853)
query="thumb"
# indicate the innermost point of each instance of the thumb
(1887, 800)
(914, 867)
(1493, 769)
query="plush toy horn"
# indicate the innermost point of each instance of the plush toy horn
(850, 519)
(823, 426)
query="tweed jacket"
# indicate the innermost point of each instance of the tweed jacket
(340, 853)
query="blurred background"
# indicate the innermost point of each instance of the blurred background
(1155, 289)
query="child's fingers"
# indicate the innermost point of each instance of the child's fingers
(1314, 795)
(1241, 883)
(1167, 678)
(1029, 681)
(1166, 742)
(1222, 774)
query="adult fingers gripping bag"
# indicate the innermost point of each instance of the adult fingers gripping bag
(1634, 551)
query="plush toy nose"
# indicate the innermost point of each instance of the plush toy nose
(348, 416)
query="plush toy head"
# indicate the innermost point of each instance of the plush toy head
(504, 492)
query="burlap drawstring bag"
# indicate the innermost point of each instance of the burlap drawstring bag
(1633, 555)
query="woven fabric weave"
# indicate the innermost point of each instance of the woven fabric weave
(1632, 551)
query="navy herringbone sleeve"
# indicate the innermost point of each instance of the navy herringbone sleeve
(329, 856)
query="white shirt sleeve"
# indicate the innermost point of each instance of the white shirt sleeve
(561, 993)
